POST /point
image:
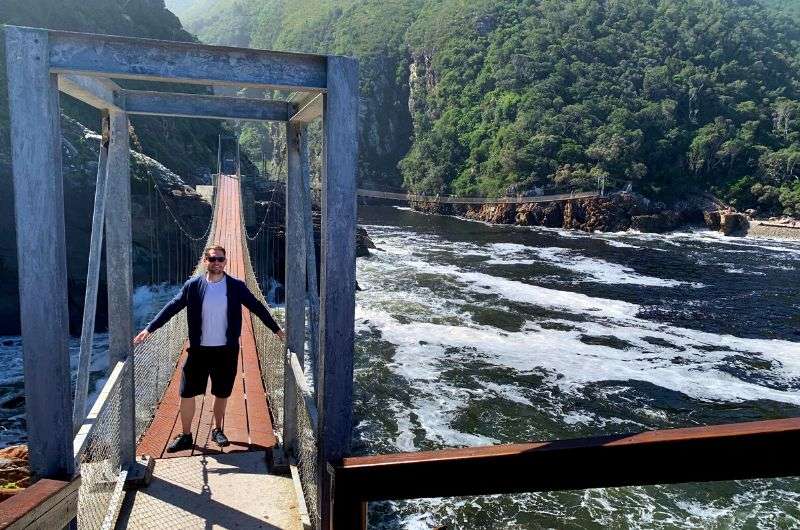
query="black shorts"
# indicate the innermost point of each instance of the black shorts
(221, 363)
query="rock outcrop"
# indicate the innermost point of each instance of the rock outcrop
(613, 213)
(15, 473)
(733, 223)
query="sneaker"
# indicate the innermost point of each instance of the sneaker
(219, 437)
(180, 442)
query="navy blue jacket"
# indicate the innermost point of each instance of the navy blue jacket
(191, 297)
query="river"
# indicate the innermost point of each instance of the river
(472, 334)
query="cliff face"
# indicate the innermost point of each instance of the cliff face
(613, 213)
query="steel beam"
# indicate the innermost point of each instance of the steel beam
(92, 280)
(41, 251)
(119, 274)
(202, 106)
(97, 92)
(187, 62)
(338, 278)
(295, 280)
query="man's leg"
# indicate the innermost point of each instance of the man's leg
(223, 376)
(187, 414)
(219, 411)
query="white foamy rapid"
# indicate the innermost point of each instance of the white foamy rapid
(591, 269)
(472, 335)
(428, 330)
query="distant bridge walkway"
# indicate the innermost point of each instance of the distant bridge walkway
(449, 199)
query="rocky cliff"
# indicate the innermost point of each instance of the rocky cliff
(613, 213)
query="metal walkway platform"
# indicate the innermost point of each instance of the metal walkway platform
(207, 492)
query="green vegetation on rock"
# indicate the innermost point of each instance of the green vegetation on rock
(485, 97)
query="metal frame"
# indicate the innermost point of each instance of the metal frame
(41, 63)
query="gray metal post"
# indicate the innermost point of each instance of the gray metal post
(238, 161)
(312, 292)
(119, 273)
(39, 212)
(92, 281)
(338, 278)
(295, 281)
(219, 154)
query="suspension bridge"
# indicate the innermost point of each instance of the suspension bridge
(290, 417)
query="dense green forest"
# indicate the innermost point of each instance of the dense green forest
(484, 97)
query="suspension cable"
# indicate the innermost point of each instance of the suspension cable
(270, 202)
(177, 222)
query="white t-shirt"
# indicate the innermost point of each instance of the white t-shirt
(215, 314)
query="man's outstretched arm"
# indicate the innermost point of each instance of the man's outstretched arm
(257, 308)
(172, 308)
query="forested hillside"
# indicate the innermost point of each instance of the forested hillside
(486, 97)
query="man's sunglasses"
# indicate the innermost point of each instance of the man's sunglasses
(218, 259)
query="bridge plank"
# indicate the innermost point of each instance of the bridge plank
(202, 437)
(259, 422)
(46, 504)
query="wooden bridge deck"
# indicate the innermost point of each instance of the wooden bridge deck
(212, 487)
(247, 420)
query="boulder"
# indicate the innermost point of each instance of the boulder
(712, 219)
(549, 214)
(363, 242)
(657, 223)
(15, 474)
(733, 223)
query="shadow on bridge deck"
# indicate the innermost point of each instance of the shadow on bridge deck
(213, 491)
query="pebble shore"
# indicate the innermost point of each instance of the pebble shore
(772, 230)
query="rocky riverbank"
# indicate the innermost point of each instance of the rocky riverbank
(784, 228)
(614, 213)
(15, 473)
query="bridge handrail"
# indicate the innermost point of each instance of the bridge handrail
(759, 449)
(451, 199)
(306, 443)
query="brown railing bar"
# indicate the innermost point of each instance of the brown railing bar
(761, 449)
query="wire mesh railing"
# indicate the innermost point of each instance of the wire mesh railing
(98, 443)
(97, 453)
(269, 347)
(273, 355)
(154, 364)
(306, 442)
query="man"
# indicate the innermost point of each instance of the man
(213, 303)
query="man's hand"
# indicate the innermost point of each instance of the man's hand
(281, 335)
(141, 337)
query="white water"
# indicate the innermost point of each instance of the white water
(424, 296)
